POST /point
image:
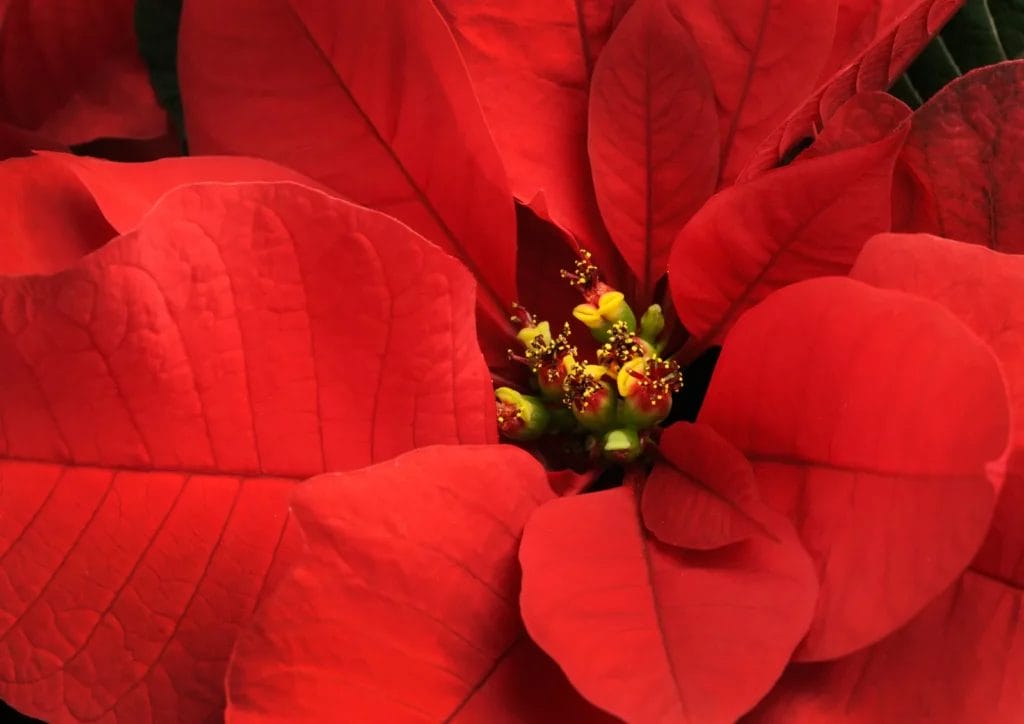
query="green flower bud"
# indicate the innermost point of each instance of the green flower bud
(611, 308)
(520, 417)
(647, 386)
(652, 323)
(622, 445)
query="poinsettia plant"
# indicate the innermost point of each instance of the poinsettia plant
(272, 448)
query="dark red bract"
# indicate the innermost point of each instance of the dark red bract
(71, 73)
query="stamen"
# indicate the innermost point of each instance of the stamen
(584, 271)
(513, 357)
(608, 409)
(622, 346)
(521, 316)
(659, 380)
(544, 353)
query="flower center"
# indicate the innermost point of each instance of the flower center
(610, 408)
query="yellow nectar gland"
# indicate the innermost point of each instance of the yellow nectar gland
(540, 333)
(611, 307)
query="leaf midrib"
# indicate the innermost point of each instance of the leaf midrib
(483, 282)
(748, 81)
(171, 470)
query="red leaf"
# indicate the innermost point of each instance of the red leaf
(860, 23)
(874, 69)
(865, 118)
(569, 482)
(126, 191)
(370, 98)
(402, 606)
(156, 396)
(654, 633)
(529, 67)
(49, 221)
(872, 443)
(528, 687)
(124, 590)
(961, 660)
(597, 20)
(764, 57)
(702, 494)
(16, 142)
(806, 220)
(650, 178)
(983, 289)
(966, 147)
(72, 71)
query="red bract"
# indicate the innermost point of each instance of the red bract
(419, 625)
(813, 387)
(313, 101)
(875, 67)
(649, 82)
(320, 108)
(704, 494)
(960, 659)
(173, 388)
(71, 73)
(652, 632)
(160, 400)
(962, 157)
(805, 220)
(50, 218)
(865, 118)
(957, 659)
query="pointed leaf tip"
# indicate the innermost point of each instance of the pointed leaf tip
(702, 493)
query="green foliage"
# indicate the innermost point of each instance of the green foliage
(982, 33)
(156, 27)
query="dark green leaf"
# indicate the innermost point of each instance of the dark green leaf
(156, 27)
(1009, 20)
(983, 32)
(972, 36)
(904, 89)
(933, 68)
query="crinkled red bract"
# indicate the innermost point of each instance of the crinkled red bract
(167, 391)
(962, 157)
(162, 398)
